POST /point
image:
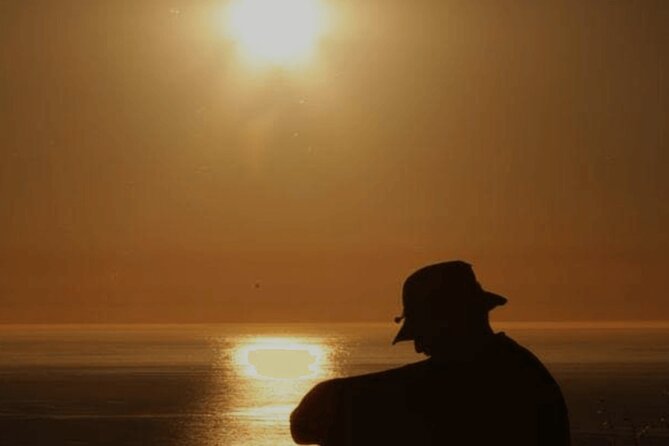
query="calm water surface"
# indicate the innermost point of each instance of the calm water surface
(236, 384)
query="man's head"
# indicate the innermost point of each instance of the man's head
(445, 308)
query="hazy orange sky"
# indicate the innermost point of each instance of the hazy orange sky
(146, 174)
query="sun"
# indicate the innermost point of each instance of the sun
(277, 32)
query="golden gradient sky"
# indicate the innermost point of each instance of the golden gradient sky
(147, 174)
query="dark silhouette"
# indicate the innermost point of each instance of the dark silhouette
(476, 388)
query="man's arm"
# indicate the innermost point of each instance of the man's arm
(311, 421)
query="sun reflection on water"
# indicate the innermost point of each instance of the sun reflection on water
(281, 358)
(269, 376)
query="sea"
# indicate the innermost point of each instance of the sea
(236, 384)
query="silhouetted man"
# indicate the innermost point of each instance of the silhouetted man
(476, 388)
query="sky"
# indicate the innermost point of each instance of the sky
(149, 173)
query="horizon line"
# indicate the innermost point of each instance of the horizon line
(632, 323)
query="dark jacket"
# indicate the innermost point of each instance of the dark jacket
(505, 396)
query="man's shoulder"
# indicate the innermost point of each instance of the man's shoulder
(367, 380)
(312, 420)
(513, 350)
(388, 375)
(524, 364)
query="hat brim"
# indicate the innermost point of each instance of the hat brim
(407, 331)
(493, 300)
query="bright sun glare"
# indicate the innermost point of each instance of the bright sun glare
(278, 358)
(279, 32)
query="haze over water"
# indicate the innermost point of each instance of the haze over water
(206, 385)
